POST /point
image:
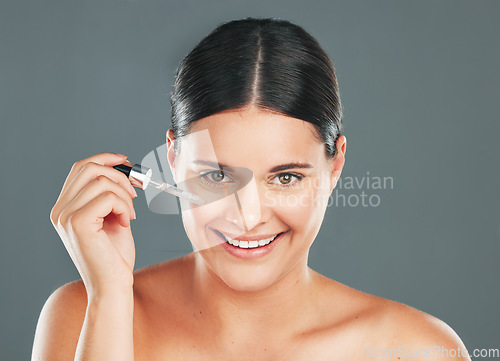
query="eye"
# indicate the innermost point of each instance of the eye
(215, 178)
(217, 175)
(287, 179)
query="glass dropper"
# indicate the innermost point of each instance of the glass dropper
(142, 177)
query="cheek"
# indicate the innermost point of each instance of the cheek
(198, 220)
(194, 220)
(301, 211)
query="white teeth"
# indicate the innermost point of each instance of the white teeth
(249, 244)
(263, 242)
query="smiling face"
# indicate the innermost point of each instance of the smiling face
(263, 175)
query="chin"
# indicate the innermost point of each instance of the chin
(248, 278)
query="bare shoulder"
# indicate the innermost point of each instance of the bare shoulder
(372, 326)
(63, 313)
(420, 332)
(60, 322)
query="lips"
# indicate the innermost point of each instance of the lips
(252, 252)
(248, 238)
(249, 242)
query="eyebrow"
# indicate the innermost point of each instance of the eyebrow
(278, 168)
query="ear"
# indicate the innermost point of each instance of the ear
(170, 151)
(337, 162)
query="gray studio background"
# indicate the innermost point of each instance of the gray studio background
(419, 84)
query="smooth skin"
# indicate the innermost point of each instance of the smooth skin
(209, 305)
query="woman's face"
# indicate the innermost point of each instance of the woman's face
(262, 175)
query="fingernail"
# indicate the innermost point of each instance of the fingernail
(135, 215)
(132, 191)
(121, 155)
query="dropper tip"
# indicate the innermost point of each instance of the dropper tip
(196, 199)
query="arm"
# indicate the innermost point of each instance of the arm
(92, 319)
(70, 327)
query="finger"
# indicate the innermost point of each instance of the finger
(89, 172)
(90, 217)
(92, 241)
(130, 165)
(107, 159)
(98, 186)
(92, 170)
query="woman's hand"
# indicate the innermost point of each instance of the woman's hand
(92, 216)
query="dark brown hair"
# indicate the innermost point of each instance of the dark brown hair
(270, 63)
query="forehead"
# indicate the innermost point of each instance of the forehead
(254, 136)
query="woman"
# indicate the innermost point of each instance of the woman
(256, 129)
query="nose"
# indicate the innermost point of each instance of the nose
(247, 210)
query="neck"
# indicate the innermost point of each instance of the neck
(282, 305)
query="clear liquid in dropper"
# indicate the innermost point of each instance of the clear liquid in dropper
(176, 191)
